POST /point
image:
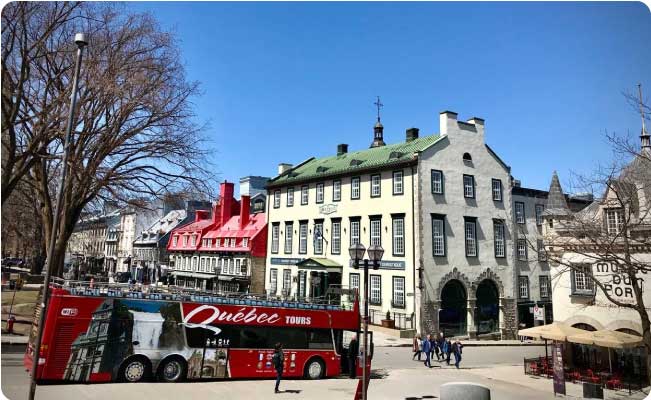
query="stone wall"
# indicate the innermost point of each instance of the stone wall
(257, 274)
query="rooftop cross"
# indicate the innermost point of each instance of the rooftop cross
(379, 105)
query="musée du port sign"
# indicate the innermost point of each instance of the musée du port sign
(616, 282)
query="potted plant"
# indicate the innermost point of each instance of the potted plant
(388, 322)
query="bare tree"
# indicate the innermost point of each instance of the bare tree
(608, 243)
(134, 133)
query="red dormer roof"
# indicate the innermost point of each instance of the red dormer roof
(255, 231)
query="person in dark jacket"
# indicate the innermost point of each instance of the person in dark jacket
(427, 347)
(353, 351)
(447, 350)
(457, 349)
(278, 359)
(435, 348)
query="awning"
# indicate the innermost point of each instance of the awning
(556, 331)
(225, 278)
(607, 338)
(318, 263)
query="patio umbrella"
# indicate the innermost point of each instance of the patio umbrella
(609, 339)
(554, 331)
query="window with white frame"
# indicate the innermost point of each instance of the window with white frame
(468, 186)
(438, 235)
(397, 182)
(542, 255)
(376, 231)
(336, 190)
(497, 189)
(213, 264)
(305, 194)
(614, 220)
(471, 237)
(220, 265)
(354, 231)
(245, 242)
(437, 182)
(519, 212)
(375, 186)
(523, 285)
(522, 249)
(238, 268)
(273, 280)
(302, 238)
(544, 286)
(539, 211)
(290, 197)
(275, 237)
(582, 283)
(289, 237)
(217, 241)
(376, 289)
(499, 237)
(276, 198)
(193, 242)
(233, 240)
(335, 247)
(185, 240)
(398, 236)
(287, 281)
(175, 240)
(194, 263)
(354, 188)
(202, 266)
(398, 298)
(302, 283)
(354, 281)
(319, 193)
(318, 237)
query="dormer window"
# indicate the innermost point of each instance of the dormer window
(355, 162)
(217, 242)
(245, 242)
(467, 157)
(614, 220)
(175, 240)
(185, 240)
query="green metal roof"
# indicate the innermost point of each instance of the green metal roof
(373, 158)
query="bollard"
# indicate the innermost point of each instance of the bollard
(464, 391)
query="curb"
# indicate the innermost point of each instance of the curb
(475, 345)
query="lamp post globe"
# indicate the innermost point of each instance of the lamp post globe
(356, 252)
(375, 253)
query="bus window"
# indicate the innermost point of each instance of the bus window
(253, 338)
(291, 338)
(320, 339)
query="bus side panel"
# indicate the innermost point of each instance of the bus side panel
(244, 363)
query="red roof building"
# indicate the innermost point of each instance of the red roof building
(222, 250)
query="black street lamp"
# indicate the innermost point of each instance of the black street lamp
(375, 253)
(80, 42)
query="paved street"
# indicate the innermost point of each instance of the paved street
(496, 368)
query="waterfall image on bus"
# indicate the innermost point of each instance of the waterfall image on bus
(106, 335)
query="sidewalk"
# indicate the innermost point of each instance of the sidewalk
(383, 337)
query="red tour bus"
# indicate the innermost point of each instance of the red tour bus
(108, 334)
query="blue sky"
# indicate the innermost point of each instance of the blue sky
(285, 81)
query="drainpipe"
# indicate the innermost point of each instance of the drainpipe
(416, 319)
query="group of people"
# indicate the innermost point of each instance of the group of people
(437, 345)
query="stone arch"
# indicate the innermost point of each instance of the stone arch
(584, 319)
(455, 274)
(624, 324)
(490, 275)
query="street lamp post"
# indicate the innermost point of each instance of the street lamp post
(375, 253)
(80, 41)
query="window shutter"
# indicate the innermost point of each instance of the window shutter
(572, 280)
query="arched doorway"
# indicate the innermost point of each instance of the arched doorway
(452, 316)
(487, 313)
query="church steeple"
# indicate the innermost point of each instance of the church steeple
(378, 129)
(645, 139)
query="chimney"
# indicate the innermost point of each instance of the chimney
(479, 124)
(245, 204)
(200, 215)
(517, 183)
(447, 122)
(342, 148)
(412, 133)
(283, 167)
(227, 202)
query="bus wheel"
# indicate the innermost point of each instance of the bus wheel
(315, 369)
(136, 369)
(172, 369)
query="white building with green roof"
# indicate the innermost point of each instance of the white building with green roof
(437, 204)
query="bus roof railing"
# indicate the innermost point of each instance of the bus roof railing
(333, 300)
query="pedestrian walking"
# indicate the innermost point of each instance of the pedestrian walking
(278, 359)
(427, 347)
(447, 351)
(457, 349)
(353, 351)
(432, 350)
(417, 347)
(437, 349)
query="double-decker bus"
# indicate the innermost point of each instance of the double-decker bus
(104, 334)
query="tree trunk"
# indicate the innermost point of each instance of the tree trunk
(646, 336)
